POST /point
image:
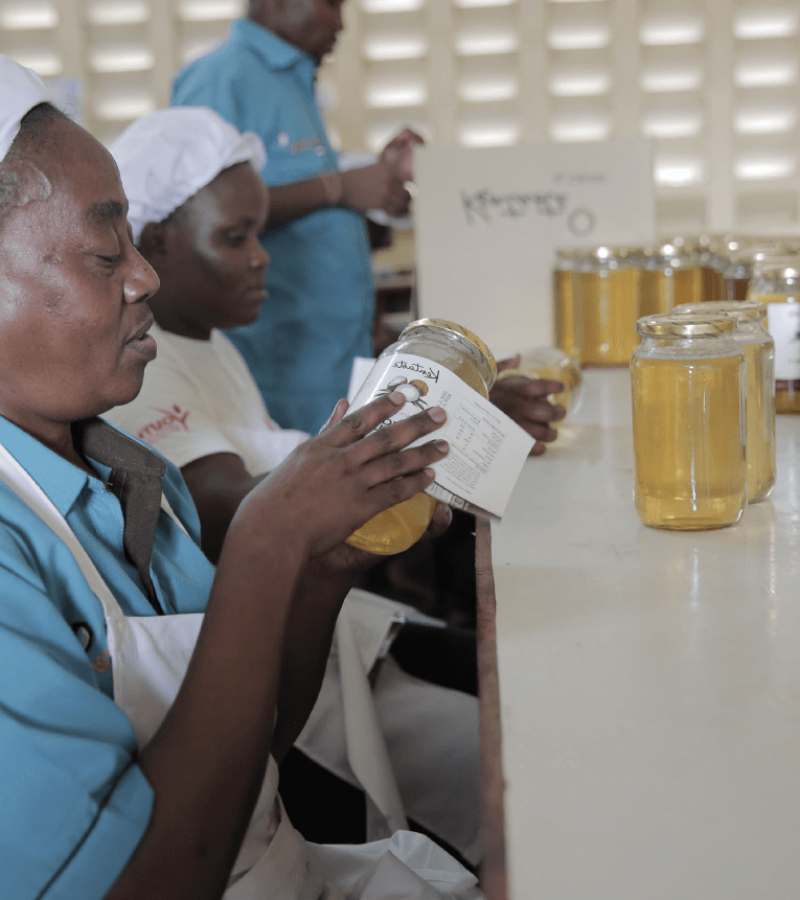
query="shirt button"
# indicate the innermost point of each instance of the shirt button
(283, 139)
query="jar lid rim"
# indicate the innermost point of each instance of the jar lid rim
(445, 325)
(741, 310)
(687, 325)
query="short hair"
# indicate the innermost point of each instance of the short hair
(31, 136)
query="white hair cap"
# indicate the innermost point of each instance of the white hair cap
(166, 157)
(20, 90)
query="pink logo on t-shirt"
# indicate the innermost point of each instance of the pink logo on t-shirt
(171, 420)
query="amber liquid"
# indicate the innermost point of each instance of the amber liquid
(688, 285)
(736, 289)
(566, 326)
(399, 527)
(713, 284)
(787, 393)
(760, 423)
(689, 445)
(655, 292)
(609, 305)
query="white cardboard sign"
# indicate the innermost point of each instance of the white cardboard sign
(488, 221)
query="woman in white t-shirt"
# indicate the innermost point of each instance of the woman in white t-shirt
(196, 209)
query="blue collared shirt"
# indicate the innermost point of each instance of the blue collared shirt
(321, 290)
(73, 801)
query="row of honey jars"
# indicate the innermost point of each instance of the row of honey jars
(776, 282)
(596, 294)
(689, 433)
(599, 294)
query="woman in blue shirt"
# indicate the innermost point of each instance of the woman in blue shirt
(136, 735)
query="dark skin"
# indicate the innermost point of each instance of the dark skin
(74, 296)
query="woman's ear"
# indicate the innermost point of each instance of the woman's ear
(151, 241)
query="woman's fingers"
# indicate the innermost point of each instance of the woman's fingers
(358, 423)
(382, 436)
(337, 415)
(402, 463)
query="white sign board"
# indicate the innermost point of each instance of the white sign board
(488, 221)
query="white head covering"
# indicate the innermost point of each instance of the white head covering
(20, 90)
(166, 157)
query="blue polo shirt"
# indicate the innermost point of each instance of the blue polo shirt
(321, 290)
(73, 802)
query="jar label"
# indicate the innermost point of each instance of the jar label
(784, 326)
(487, 448)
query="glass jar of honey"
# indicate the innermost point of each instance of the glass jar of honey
(776, 282)
(606, 287)
(688, 388)
(759, 353)
(742, 261)
(409, 365)
(657, 280)
(553, 364)
(566, 315)
(696, 277)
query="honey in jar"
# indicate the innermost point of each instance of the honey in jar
(655, 283)
(606, 289)
(697, 277)
(776, 282)
(759, 354)
(421, 343)
(553, 364)
(565, 312)
(688, 389)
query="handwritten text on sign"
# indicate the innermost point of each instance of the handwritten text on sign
(488, 222)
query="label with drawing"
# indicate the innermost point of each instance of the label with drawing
(784, 326)
(487, 448)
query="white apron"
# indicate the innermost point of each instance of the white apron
(149, 657)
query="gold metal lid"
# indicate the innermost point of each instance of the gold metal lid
(742, 311)
(453, 328)
(688, 325)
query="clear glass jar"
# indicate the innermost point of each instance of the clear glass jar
(744, 258)
(657, 280)
(776, 282)
(688, 390)
(697, 279)
(420, 343)
(606, 288)
(555, 364)
(759, 354)
(566, 317)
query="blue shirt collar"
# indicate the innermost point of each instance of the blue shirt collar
(59, 479)
(103, 444)
(273, 50)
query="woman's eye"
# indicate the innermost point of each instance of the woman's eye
(236, 238)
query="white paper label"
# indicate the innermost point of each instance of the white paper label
(487, 448)
(784, 326)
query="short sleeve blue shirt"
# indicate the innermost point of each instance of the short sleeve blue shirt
(73, 801)
(321, 289)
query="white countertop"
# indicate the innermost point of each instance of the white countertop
(649, 680)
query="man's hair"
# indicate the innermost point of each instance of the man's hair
(20, 182)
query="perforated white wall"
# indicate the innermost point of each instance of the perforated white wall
(715, 83)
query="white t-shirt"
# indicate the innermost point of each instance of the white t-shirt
(198, 399)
